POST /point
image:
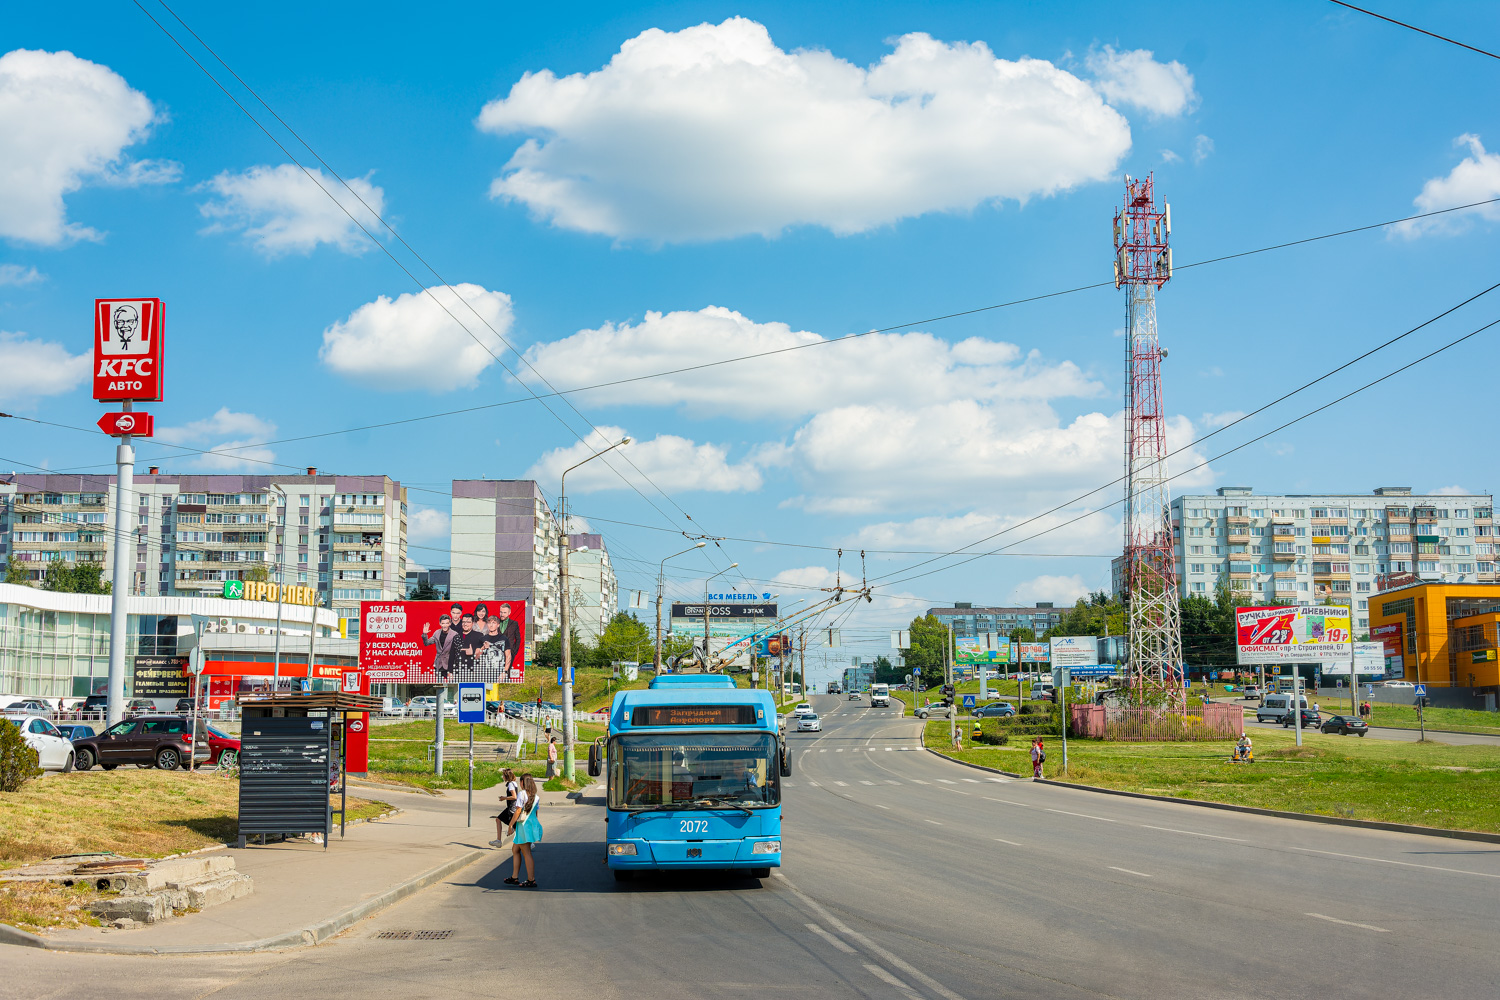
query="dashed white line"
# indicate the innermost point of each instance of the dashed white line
(788, 784)
(867, 782)
(842, 784)
(1128, 871)
(880, 973)
(879, 806)
(1350, 923)
(972, 781)
(919, 781)
(1012, 843)
(1102, 819)
(947, 781)
(1008, 802)
(1404, 864)
(1193, 833)
(839, 750)
(815, 784)
(933, 822)
(892, 781)
(838, 943)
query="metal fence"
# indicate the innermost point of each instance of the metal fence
(1206, 722)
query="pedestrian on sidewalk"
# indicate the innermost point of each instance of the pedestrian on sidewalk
(552, 757)
(526, 830)
(507, 806)
(1038, 758)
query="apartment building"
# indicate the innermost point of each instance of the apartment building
(967, 620)
(594, 594)
(345, 535)
(1329, 548)
(503, 544)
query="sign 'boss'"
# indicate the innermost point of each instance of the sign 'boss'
(128, 349)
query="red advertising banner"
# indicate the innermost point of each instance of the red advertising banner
(443, 642)
(127, 349)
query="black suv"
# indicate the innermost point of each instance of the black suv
(1311, 719)
(147, 740)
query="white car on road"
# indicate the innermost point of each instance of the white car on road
(809, 724)
(53, 750)
(803, 709)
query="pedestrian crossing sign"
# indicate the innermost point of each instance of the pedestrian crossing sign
(968, 701)
(1421, 691)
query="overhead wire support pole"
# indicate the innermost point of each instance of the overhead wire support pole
(119, 607)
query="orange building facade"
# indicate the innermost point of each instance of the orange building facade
(1445, 634)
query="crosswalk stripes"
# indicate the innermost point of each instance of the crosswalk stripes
(972, 781)
(947, 781)
(842, 784)
(867, 782)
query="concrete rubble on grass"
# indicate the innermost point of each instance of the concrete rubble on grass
(144, 892)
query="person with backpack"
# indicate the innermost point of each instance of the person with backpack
(507, 814)
(1038, 758)
(525, 831)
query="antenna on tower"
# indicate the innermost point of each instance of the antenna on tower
(1143, 263)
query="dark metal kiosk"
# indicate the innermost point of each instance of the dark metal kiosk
(292, 757)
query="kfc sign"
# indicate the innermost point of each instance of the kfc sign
(134, 424)
(127, 349)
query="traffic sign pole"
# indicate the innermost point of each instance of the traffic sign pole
(124, 539)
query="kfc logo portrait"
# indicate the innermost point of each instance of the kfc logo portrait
(127, 349)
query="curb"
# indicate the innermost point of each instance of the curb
(1367, 824)
(306, 937)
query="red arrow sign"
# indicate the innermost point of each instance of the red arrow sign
(136, 424)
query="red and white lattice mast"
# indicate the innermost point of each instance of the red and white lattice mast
(1143, 263)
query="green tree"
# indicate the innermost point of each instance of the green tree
(1098, 614)
(929, 649)
(549, 653)
(423, 591)
(1208, 627)
(18, 760)
(259, 573)
(15, 572)
(1022, 634)
(74, 578)
(625, 638)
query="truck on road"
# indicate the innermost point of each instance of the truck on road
(880, 696)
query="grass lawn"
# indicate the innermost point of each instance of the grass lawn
(133, 812)
(1427, 784)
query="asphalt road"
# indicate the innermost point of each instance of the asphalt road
(911, 877)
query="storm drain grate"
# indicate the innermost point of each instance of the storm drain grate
(415, 935)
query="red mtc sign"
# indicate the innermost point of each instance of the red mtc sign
(127, 349)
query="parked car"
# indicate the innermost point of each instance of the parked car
(1249, 692)
(1311, 719)
(941, 710)
(75, 730)
(809, 723)
(141, 706)
(160, 740)
(184, 705)
(221, 743)
(29, 706)
(423, 705)
(1345, 724)
(1398, 684)
(513, 709)
(995, 710)
(54, 751)
(803, 709)
(95, 704)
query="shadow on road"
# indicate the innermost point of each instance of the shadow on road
(578, 866)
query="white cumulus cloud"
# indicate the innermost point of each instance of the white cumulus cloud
(673, 463)
(66, 122)
(915, 367)
(30, 368)
(281, 210)
(1475, 178)
(18, 276)
(428, 529)
(1135, 77)
(1064, 591)
(413, 342)
(231, 441)
(1452, 491)
(714, 132)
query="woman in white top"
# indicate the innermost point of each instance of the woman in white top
(508, 808)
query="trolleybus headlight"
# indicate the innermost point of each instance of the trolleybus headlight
(630, 848)
(765, 847)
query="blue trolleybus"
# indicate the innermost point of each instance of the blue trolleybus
(693, 770)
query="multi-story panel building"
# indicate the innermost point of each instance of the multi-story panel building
(967, 620)
(1330, 548)
(345, 535)
(594, 595)
(503, 544)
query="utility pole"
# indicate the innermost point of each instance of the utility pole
(953, 703)
(124, 560)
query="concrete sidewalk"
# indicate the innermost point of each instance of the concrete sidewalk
(304, 894)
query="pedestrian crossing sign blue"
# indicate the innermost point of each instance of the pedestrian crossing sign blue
(1421, 691)
(969, 701)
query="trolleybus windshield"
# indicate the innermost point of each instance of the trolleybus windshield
(696, 770)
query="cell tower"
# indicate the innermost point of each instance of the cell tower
(1143, 263)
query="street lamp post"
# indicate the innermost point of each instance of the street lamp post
(567, 651)
(706, 609)
(660, 584)
(276, 657)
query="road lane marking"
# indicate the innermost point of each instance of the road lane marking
(815, 784)
(1102, 819)
(842, 784)
(862, 782)
(932, 821)
(955, 791)
(1193, 833)
(839, 750)
(972, 781)
(892, 781)
(822, 750)
(841, 945)
(1350, 923)
(947, 781)
(889, 749)
(788, 784)
(881, 974)
(999, 781)
(1127, 871)
(1404, 864)
(919, 781)
(1012, 843)
(879, 806)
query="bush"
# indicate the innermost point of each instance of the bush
(18, 761)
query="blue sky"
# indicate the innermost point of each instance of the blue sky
(677, 184)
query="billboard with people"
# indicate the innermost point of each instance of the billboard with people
(443, 642)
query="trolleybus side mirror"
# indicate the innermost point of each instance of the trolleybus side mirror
(594, 764)
(786, 762)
